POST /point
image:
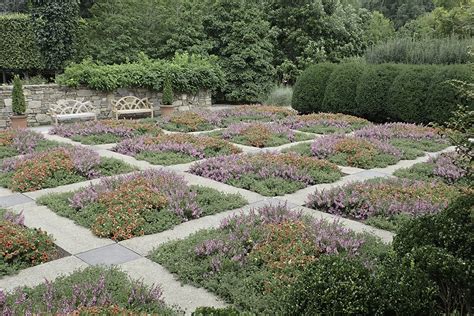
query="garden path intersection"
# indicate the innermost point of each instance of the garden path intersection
(85, 248)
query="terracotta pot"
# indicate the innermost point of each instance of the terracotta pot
(19, 121)
(166, 111)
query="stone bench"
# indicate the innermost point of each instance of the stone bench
(72, 109)
(131, 105)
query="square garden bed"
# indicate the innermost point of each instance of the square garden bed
(14, 142)
(106, 131)
(191, 121)
(384, 203)
(141, 203)
(22, 247)
(412, 140)
(92, 291)
(252, 259)
(260, 134)
(56, 167)
(175, 149)
(269, 174)
(325, 123)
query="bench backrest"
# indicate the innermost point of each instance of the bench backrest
(131, 103)
(63, 107)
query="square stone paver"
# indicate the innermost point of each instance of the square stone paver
(14, 199)
(108, 255)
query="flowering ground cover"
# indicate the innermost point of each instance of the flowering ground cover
(141, 203)
(442, 168)
(269, 174)
(56, 167)
(251, 113)
(93, 291)
(412, 140)
(260, 134)
(174, 148)
(22, 247)
(385, 203)
(350, 151)
(105, 131)
(21, 142)
(190, 121)
(251, 259)
(325, 123)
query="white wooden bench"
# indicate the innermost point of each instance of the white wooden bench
(131, 105)
(71, 109)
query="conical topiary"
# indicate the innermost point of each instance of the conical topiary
(18, 99)
(167, 92)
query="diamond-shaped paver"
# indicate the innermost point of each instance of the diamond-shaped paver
(108, 255)
(14, 199)
(368, 174)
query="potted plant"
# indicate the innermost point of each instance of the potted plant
(18, 118)
(167, 108)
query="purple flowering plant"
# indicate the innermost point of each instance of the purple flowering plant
(15, 142)
(325, 123)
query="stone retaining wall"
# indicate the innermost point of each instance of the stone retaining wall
(40, 97)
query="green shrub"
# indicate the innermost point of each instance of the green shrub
(167, 92)
(309, 89)
(18, 49)
(409, 94)
(188, 73)
(373, 91)
(18, 98)
(280, 96)
(441, 246)
(341, 89)
(426, 51)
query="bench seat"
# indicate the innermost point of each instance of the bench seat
(71, 109)
(131, 105)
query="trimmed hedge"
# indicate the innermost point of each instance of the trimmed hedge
(18, 49)
(310, 88)
(187, 74)
(341, 89)
(385, 92)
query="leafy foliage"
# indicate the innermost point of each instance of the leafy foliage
(168, 95)
(55, 24)
(19, 49)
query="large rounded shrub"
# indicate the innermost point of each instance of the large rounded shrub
(444, 97)
(309, 89)
(409, 94)
(373, 91)
(340, 96)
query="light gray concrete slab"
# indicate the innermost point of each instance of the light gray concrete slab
(105, 146)
(186, 297)
(36, 275)
(14, 199)
(141, 164)
(350, 170)
(108, 255)
(5, 192)
(65, 188)
(69, 236)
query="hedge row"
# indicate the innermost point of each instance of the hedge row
(18, 49)
(382, 93)
(187, 74)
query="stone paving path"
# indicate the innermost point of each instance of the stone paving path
(130, 255)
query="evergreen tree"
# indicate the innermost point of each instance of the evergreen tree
(168, 94)
(18, 98)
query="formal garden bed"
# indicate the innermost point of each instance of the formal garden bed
(384, 203)
(21, 142)
(22, 247)
(146, 202)
(260, 134)
(93, 291)
(252, 259)
(350, 151)
(174, 148)
(325, 123)
(191, 121)
(251, 113)
(105, 131)
(442, 168)
(56, 167)
(269, 174)
(412, 140)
